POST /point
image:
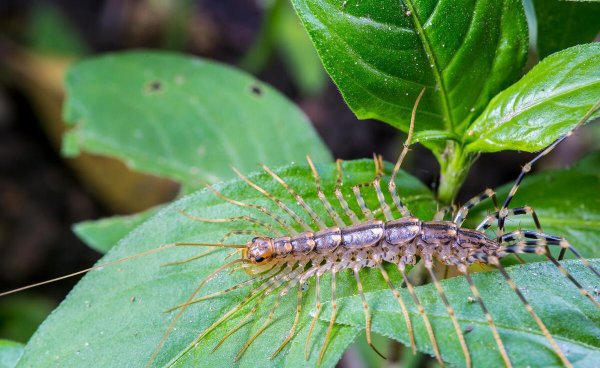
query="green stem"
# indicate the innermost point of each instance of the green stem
(455, 164)
(259, 53)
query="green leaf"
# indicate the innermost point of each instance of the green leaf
(183, 118)
(10, 352)
(382, 53)
(563, 24)
(572, 319)
(545, 104)
(103, 234)
(50, 32)
(122, 306)
(562, 211)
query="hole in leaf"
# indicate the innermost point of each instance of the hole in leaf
(154, 86)
(256, 90)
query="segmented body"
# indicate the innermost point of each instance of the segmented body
(366, 244)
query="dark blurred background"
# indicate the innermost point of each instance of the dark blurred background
(42, 194)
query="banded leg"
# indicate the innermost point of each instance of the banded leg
(441, 213)
(461, 215)
(328, 207)
(249, 219)
(294, 325)
(231, 233)
(340, 196)
(398, 297)
(495, 262)
(276, 200)
(280, 221)
(261, 329)
(392, 183)
(527, 167)
(313, 215)
(413, 295)
(540, 245)
(367, 213)
(450, 310)
(332, 320)
(182, 310)
(385, 208)
(318, 307)
(464, 270)
(367, 313)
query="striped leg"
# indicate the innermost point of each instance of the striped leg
(332, 320)
(527, 167)
(249, 219)
(367, 312)
(540, 245)
(413, 295)
(495, 262)
(461, 215)
(392, 183)
(463, 269)
(313, 215)
(318, 307)
(284, 225)
(276, 200)
(294, 325)
(367, 213)
(328, 207)
(340, 196)
(398, 297)
(450, 310)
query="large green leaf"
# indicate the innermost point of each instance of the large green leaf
(543, 105)
(10, 352)
(573, 320)
(382, 53)
(114, 316)
(182, 118)
(566, 202)
(563, 24)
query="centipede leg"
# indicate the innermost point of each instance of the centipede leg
(367, 313)
(495, 262)
(245, 218)
(340, 196)
(331, 321)
(398, 297)
(464, 270)
(411, 291)
(392, 183)
(328, 207)
(313, 215)
(294, 325)
(318, 307)
(450, 310)
(462, 213)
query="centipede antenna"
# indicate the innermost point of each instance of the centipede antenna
(198, 256)
(294, 325)
(495, 262)
(392, 183)
(450, 310)
(328, 207)
(367, 313)
(180, 313)
(464, 270)
(217, 245)
(527, 167)
(260, 223)
(231, 233)
(413, 295)
(313, 215)
(340, 196)
(318, 307)
(332, 320)
(262, 209)
(398, 297)
(110, 263)
(276, 200)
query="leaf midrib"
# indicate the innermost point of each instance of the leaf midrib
(448, 122)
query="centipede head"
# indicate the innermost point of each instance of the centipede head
(258, 255)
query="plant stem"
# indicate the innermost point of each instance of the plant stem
(455, 164)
